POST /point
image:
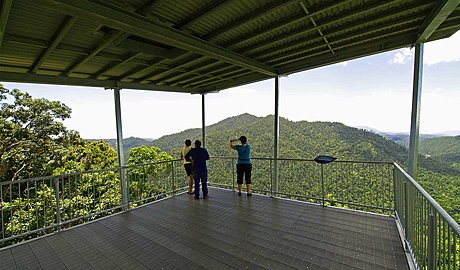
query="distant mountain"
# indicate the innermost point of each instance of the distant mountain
(403, 138)
(446, 149)
(301, 139)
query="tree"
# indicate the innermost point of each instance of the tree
(151, 179)
(33, 136)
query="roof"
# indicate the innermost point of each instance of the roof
(225, 231)
(199, 46)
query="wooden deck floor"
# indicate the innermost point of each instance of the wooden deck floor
(223, 232)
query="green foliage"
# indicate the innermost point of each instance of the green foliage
(33, 136)
(444, 149)
(145, 181)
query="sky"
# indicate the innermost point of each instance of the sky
(372, 92)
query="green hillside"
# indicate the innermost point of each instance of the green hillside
(446, 149)
(301, 139)
(307, 140)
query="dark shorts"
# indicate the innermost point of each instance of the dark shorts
(188, 169)
(243, 169)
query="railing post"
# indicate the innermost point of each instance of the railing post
(431, 240)
(322, 184)
(395, 198)
(173, 176)
(276, 136)
(406, 213)
(58, 205)
(233, 173)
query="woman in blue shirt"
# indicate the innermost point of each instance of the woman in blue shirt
(243, 165)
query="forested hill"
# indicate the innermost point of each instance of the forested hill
(301, 139)
(446, 149)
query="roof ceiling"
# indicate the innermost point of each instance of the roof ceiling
(199, 46)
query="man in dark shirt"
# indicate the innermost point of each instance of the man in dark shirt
(198, 156)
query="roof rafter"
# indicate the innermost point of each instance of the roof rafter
(138, 25)
(249, 17)
(318, 29)
(196, 17)
(327, 23)
(113, 37)
(400, 22)
(263, 11)
(4, 14)
(402, 35)
(437, 16)
(289, 22)
(65, 27)
(127, 59)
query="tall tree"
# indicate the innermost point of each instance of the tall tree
(33, 136)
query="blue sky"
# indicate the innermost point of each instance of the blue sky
(373, 92)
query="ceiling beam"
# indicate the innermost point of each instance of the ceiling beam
(4, 14)
(113, 37)
(318, 29)
(256, 14)
(89, 82)
(137, 25)
(361, 48)
(240, 21)
(289, 22)
(437, 16)
(339, 36)
(127, 59)
(183, 27)
(216, 4)
(57, 38)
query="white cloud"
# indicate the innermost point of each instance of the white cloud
(402, 57)
(439, 51)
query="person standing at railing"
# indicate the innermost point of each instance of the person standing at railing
(187, 165)
(198, 157)
(243, 165)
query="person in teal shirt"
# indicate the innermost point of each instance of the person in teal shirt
(243, 164)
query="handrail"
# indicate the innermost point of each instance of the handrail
(50, 177)
(306, 159)
(432, 201)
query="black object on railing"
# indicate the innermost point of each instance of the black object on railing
(323, 160)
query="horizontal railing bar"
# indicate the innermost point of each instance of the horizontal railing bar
(40, 178)
(450, 221)
(309, 160)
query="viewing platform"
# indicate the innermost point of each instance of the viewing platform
(225, 231)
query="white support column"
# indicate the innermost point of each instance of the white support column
(203, 123)
(276, 135)
(121, 157)
(415, 115)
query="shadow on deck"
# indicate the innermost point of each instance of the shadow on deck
(223, 232)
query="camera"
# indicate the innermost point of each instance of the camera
(234, 140)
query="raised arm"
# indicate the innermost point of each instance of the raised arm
(231, 143)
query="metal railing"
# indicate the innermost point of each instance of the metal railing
(349, 184)
(37, 206)
(430, 234)
(41, 205)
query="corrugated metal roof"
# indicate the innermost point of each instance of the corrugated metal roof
(204, 45)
